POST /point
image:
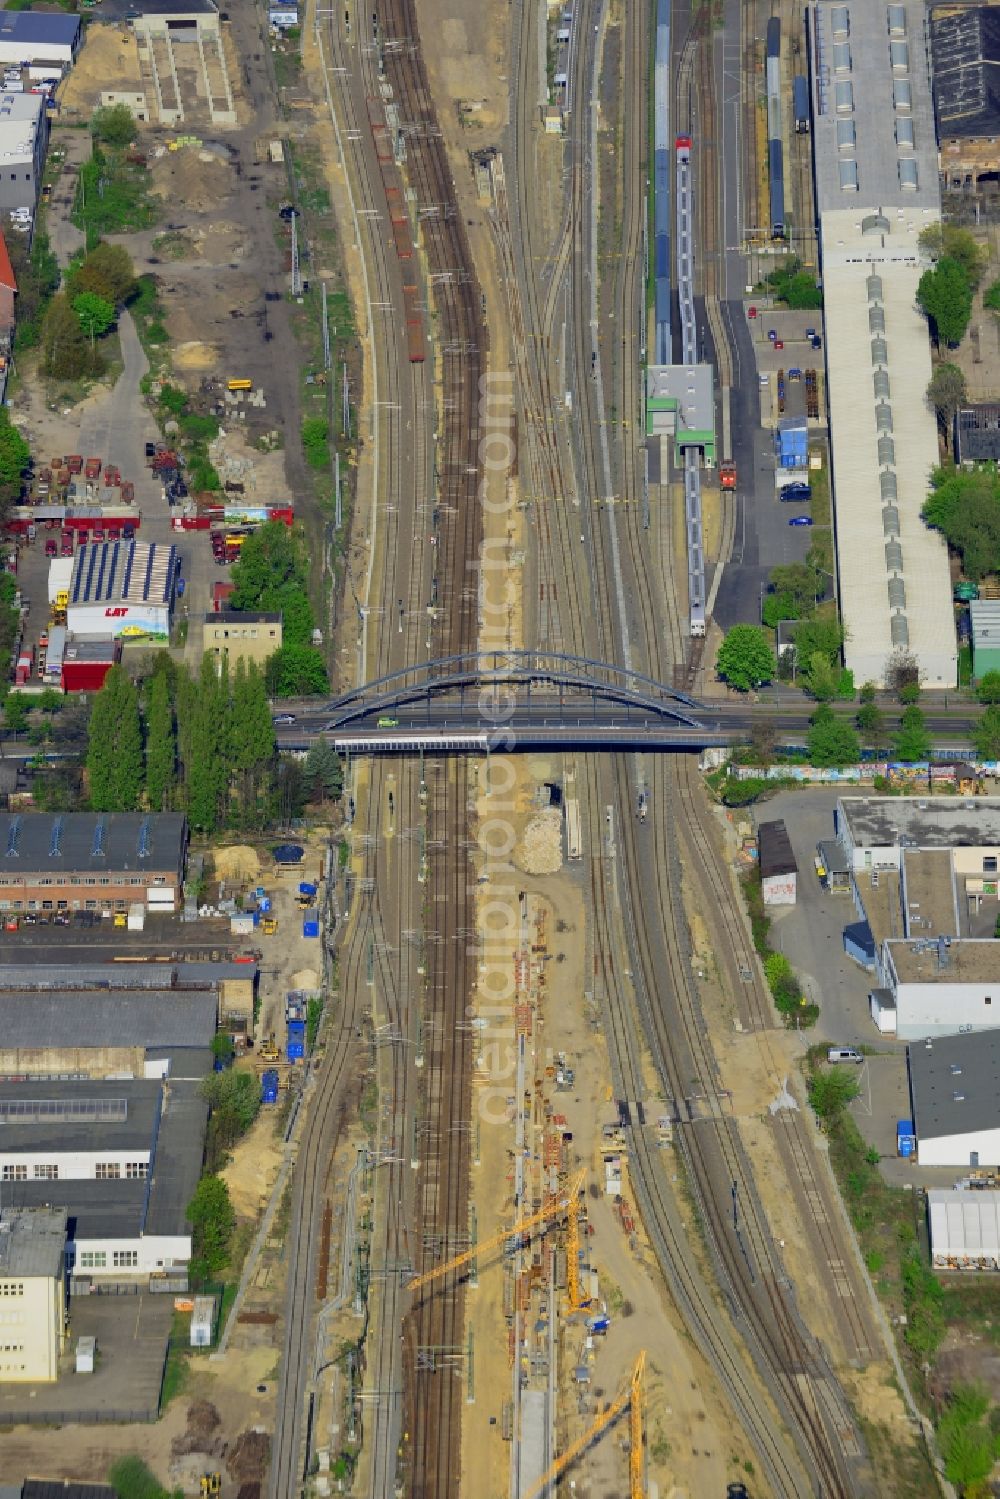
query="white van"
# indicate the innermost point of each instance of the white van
(844, 1054)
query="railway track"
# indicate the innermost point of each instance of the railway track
(433, 1405)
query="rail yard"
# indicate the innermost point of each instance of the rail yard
(500, 316)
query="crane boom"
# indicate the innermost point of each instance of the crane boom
(631, 1397)
(566, 1200)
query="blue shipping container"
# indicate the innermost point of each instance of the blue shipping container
(295, 1051)
(906, 1140)
(269, 1087)
(264, 904)
(306, 889)
(310, 923)
(907, 1146)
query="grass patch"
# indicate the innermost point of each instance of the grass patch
(112, 196)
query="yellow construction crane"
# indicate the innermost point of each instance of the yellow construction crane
(631, 1396)
(565, 1202)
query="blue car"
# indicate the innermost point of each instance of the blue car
(801, 520)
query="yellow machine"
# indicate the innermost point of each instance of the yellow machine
(268, 1052)
(631, 1396)
(269, 926)
(211, 1483)
(566, 1202)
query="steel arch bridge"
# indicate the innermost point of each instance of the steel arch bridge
(556, 673)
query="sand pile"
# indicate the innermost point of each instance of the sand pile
(540, 849)
(196, 179)
(237, 862)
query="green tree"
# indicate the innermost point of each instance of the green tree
(212, 1219)
(830, 1090)
(108, 272)
(988, 687)
(969, 1441)
(946, 393)
(324, 772)
(296, 671)
(161, 743)
(822, 633)
(871, 723)
(798, 579)
(15, 712)
(912, 742)
(867, 692)
(832, 740)
(745, 659)
(204, 717)
(957, 243)
(96, 314)
(114, 753)
(269, 558)
(234, 1101)
(290, 790)
(113, 125)
(36, 271)
(252, 745)
(66, 353)
(986, 734)
(945, 295)
(779, 606)
(820, 678)
(15, 455)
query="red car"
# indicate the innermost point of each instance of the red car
(50, 547)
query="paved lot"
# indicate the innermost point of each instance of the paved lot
(764, 538)
(132, 1334)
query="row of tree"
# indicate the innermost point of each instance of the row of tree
(204, 746)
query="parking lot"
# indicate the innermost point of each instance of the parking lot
(132, 1334)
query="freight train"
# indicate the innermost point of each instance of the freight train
(775, 149)
(402, 236)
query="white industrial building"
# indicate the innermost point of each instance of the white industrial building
(955, 1100)
(875, 156)
(24, 134)
(876, 832)
(925, 871)
(121, 1157)
(32, 1294)
(940, 988)
(964, 1228)
(34, 36)
(122, 588)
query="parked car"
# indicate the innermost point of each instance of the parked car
(50, 547)
(795, 491)
(801, 520)
(283, 720)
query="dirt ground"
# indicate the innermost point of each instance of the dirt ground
(107, 61)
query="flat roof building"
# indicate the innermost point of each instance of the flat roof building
(24, 134)
(122, 588)
(875, 155)
(122, 1157)
(104, 861)
(977, 433)
(39, 36)
(83, 1033)
(964, 1229)
(680, 404)
(955, 1095)
(232, 636)
(32, 1292)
